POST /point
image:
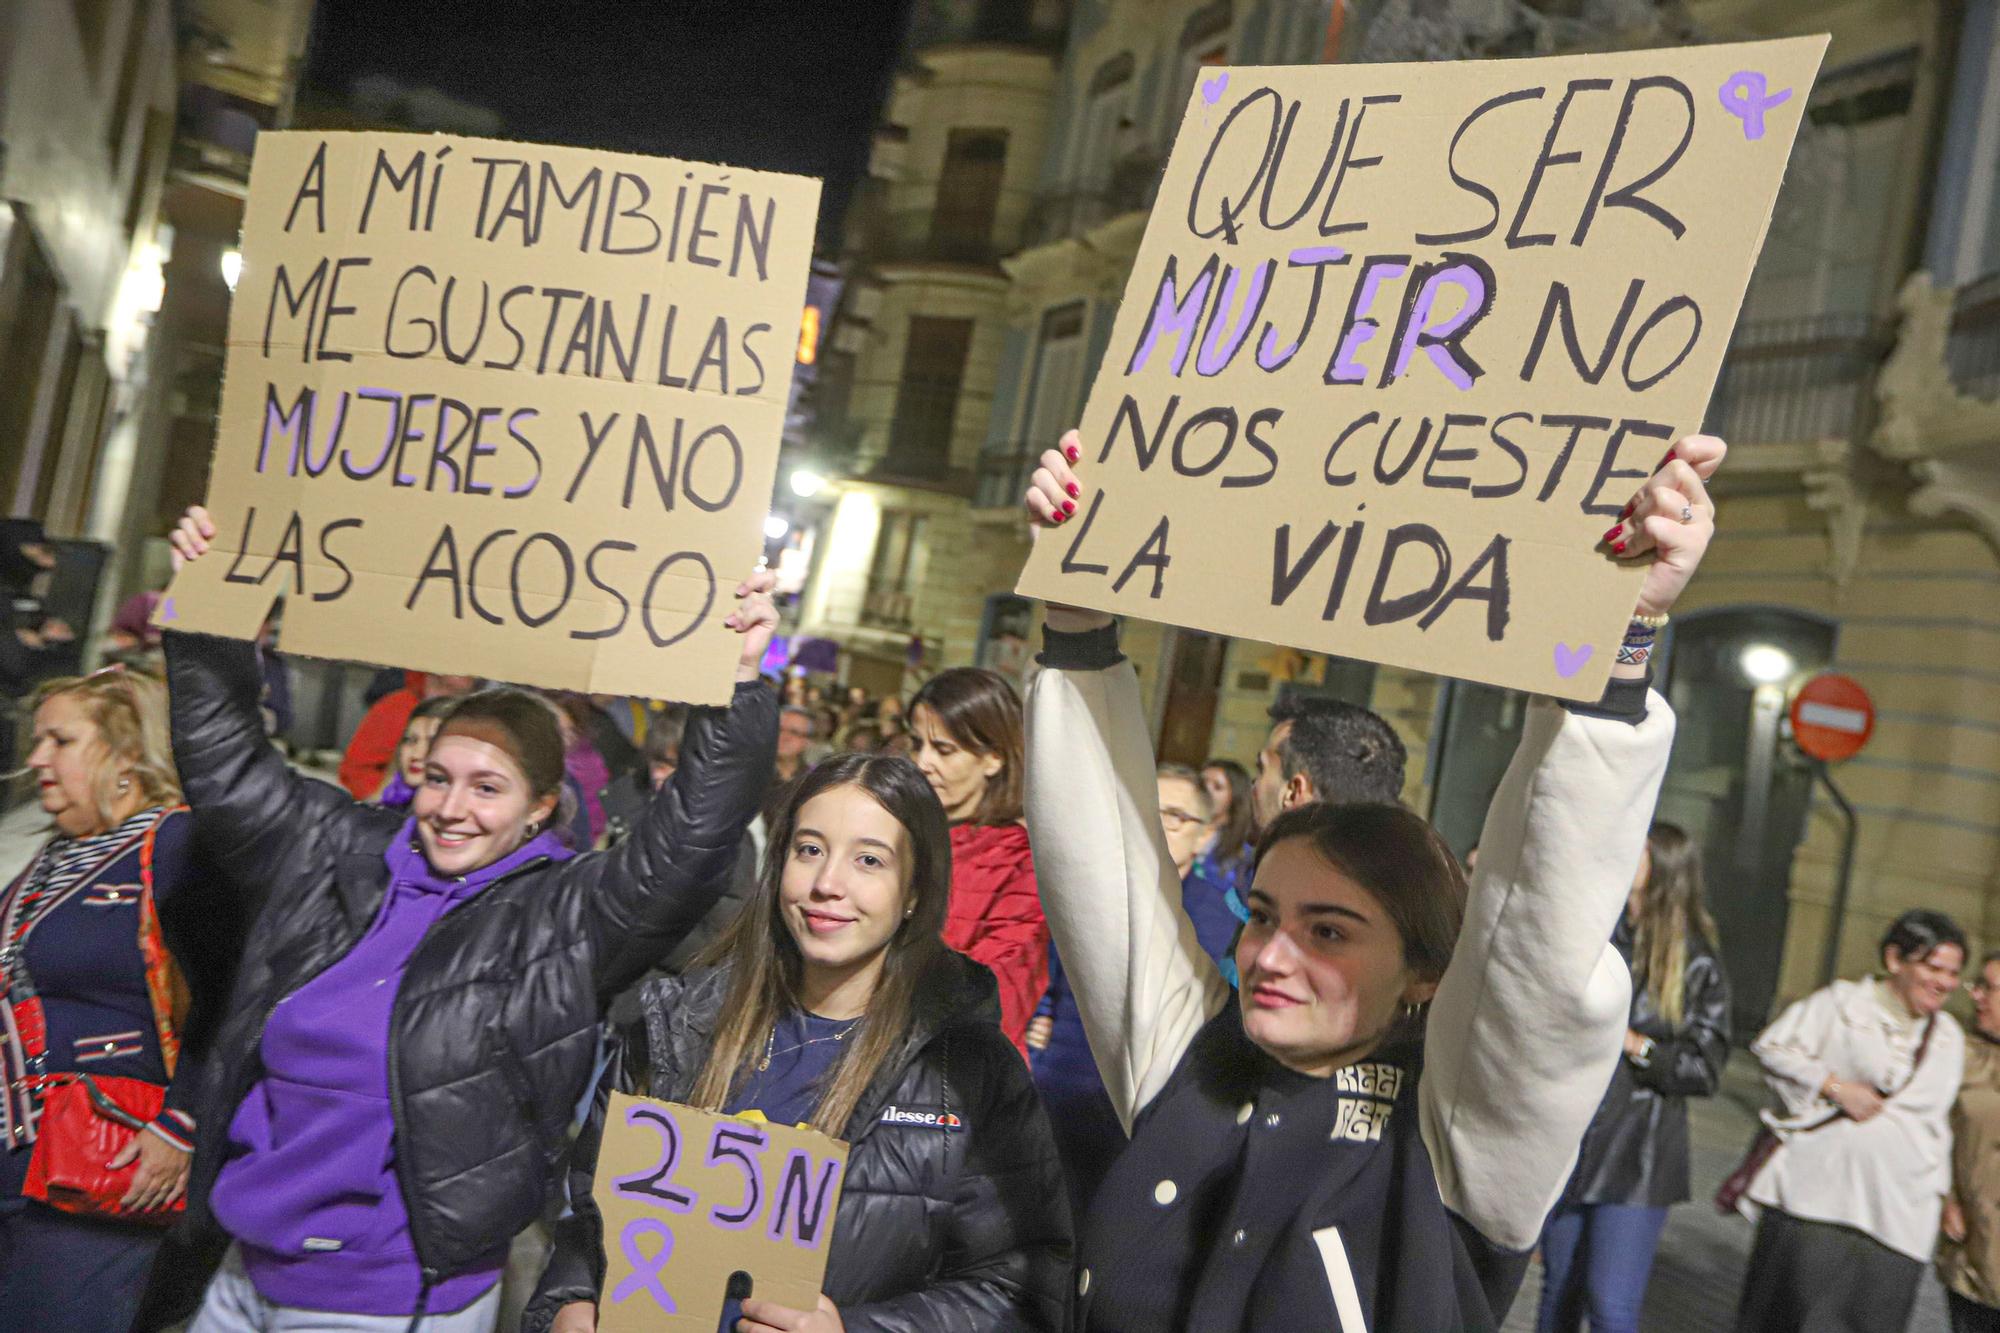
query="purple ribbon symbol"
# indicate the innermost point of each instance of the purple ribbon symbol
(1743, 97)
(645, 1273)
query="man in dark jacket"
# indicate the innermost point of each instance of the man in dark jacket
(495, 1027)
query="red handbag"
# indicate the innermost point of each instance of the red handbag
(85, 1122)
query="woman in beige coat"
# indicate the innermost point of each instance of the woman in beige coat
(1969, 1258)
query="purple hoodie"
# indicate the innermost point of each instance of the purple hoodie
(309, 1191)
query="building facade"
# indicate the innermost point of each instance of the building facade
(86, 119)
(1862, 498)
(913, 352)
(239, 66)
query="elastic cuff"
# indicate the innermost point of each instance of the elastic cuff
(176, 1127)
(1623, 701)
(1087, 650)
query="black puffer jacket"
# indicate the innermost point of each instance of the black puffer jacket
(1636, 1149)
(494, 1030)
(938, 1231)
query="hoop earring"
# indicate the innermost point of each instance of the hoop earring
(124, 785)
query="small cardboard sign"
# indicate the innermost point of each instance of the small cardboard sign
(1401, 341)
(694, 1203)
(501, 409)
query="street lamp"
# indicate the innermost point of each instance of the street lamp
(232, 267)
(775, 528)
(1766, 663)
(806, 483)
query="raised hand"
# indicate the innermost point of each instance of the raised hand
(756, 619)
(1670, 522)
(1051, 501)
(191, 536)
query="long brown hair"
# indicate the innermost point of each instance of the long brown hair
(766, 967)
(1403, 863)
(1671, 907)
(1232, 830)
(979, 709)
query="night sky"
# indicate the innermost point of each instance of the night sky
(786, 85)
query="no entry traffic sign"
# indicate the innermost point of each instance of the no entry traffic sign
(1832, 717)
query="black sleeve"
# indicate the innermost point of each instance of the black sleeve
(266, 824)
(637, 900)
(1689, 1063)
(1622, 701)
(1009, 1243)
(742, 888)
(1087, 650)
(575, 1268)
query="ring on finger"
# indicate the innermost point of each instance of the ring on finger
(1687, 513)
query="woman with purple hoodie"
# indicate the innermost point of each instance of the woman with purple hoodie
(417, 1011)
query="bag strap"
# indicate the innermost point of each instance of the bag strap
(165, 987)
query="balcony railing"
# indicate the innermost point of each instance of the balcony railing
(946, 230)
(1791, 381)
(1974, 347)
(887, 608)
(1004, 469)
(1058, 214)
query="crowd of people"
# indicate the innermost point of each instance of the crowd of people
(1221, 1048)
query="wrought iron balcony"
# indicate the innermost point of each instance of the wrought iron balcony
(1974, 348)
(1790, 381)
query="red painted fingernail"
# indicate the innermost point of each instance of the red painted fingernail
(1073, 452)
(1056, 517)
(1618, 548)
(1611, 533)
(1073, 489)
(1626, 512)
(1068, 508)
(1672, 454)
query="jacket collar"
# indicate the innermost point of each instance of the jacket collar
(682, 1014)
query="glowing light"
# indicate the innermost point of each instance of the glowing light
(775, 528)
(1766, 663)
(232, 267)
(809, 336)
(806, 484)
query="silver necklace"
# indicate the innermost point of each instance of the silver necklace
(764, 1065)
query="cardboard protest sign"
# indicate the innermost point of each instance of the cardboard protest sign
(1401, 340)
(695, 1202)
(501, 409)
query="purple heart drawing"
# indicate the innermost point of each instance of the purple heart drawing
(167, 611)
(1570, 660)
(1212, 89)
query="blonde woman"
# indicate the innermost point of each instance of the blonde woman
(92, 998)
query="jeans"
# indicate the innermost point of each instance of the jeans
(1596, 1258)
(232, 1305)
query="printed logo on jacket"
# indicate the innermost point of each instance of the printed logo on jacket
(1367, 1096)
(922, 1117)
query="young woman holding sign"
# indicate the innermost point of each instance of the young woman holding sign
(834, 1001)
(417, 1012)
(1370, 1135)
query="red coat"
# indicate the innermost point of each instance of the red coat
(371, 753)
(996, 918)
